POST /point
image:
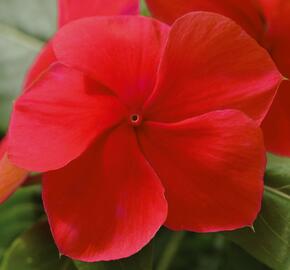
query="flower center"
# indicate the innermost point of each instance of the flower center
(135, 119)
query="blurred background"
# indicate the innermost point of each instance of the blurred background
(25, 26)
(25, 240)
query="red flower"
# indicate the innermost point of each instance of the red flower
(130, 108)
(69, 10)
(268, 21)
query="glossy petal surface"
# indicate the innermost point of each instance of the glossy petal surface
(56, 119)
(70, 10)
(108, 203)
(122, 53)
(212, 168)
(210, 63)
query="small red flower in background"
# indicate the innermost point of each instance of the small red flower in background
(11, 177)
(3, 146)
(69, 10)
(131, 109)
(74, 9)
(268, 21)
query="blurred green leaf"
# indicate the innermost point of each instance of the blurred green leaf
(186, 251)
(35, 250)
(238, 259)
(18, 214)
(24, 27)
(35, 18)
(144, 9)
(140, 261)
(270, 243)
(207, 251)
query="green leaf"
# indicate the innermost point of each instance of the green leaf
(35, 250)
(140, 261)
(238, 259)
(18, 214)
(37, 18)
(199, 251)
(144, 9)
(23, 32)
(270, 243)
(187, 250)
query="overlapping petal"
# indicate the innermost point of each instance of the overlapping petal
(210, 63)
(121, 52)
(74, 9)
(245, 13)
(56, 119)
(42, 62)
(108, 203)
(277, 41)
(70, 10)
(212, 168)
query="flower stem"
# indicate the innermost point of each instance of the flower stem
(170, 250)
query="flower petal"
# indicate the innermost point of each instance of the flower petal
(11, 177)
(276, 126)
(108, 203)
(278, 38)
(42, 62)
(212, 168)
(245, 13)
(211, 64)
(122, 53)
(56, 119)
(75, 9)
